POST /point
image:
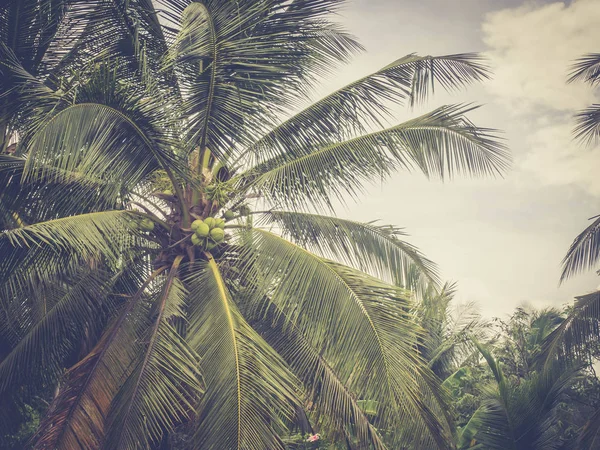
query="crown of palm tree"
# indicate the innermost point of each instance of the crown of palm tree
(132, 129)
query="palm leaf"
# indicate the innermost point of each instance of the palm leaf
(569, 342)
(587, 129)
(587, 69)
(376, 249)
(584, 252)
(76, 418)
(40, 353)
(360, 325)
(164, 384)
(356, 107)
(327, 393)
(239, 63)
(250, 393)
(440, 143)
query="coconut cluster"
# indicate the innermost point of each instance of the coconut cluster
(208, 233)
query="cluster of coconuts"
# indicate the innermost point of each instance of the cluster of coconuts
(208, 233)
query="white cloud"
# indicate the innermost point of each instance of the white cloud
(556, 159)
(531, 48)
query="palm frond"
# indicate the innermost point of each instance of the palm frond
(587, 129)
(60, 194)
(360, 105)
(375, 249)
(440, 143)
(587, 69)
(41, 352)
(87, 236)
(569, 342)
(327, 393)
(584, 252)
(519, 416)
(361, 326)
(97, 139)
(76, 419)
(241, 62)
(164, 385)
(250, 393)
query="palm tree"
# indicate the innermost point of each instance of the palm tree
(447, 340)
(584, 252)
(122, 289)
(515, 416)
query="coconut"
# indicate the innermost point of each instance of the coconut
(220, 223)
(210, 245)
(196, 240)
(217, 234)
(210, 221)
(196, 224)
(229, 214)
(202, 230)
(146, 225)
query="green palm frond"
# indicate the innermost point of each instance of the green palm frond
(329, 395)
(164, 385)
(67, 314)
(95, 138)
(587, 69)
(519, 416)
(441, 143)
(356, 107)
(332, 305)
(569, 341)
(587, 129)
(60, 194)
(584, 252)
(251, 394)
(85, 237)
(231, 60)
(76, 419)
(377, 249)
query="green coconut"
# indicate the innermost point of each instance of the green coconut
(210, 221)
(210, 245)
(146, 225)
(229, 214)
(202, 230)
(217, 234)
(220, 223)
(196, 240)
(196, 224)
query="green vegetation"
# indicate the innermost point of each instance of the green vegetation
(166, 282)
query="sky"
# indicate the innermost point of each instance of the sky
(502, 240)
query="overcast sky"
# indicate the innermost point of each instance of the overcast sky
(501, 240)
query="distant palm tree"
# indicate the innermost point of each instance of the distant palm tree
(448, 333)
(584, 252)
(120, 284)
(518, 416)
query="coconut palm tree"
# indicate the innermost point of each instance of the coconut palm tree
(584, 252)
(523, 415)
(141, 128)
(447, 340)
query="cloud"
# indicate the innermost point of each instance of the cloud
(531, 48)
